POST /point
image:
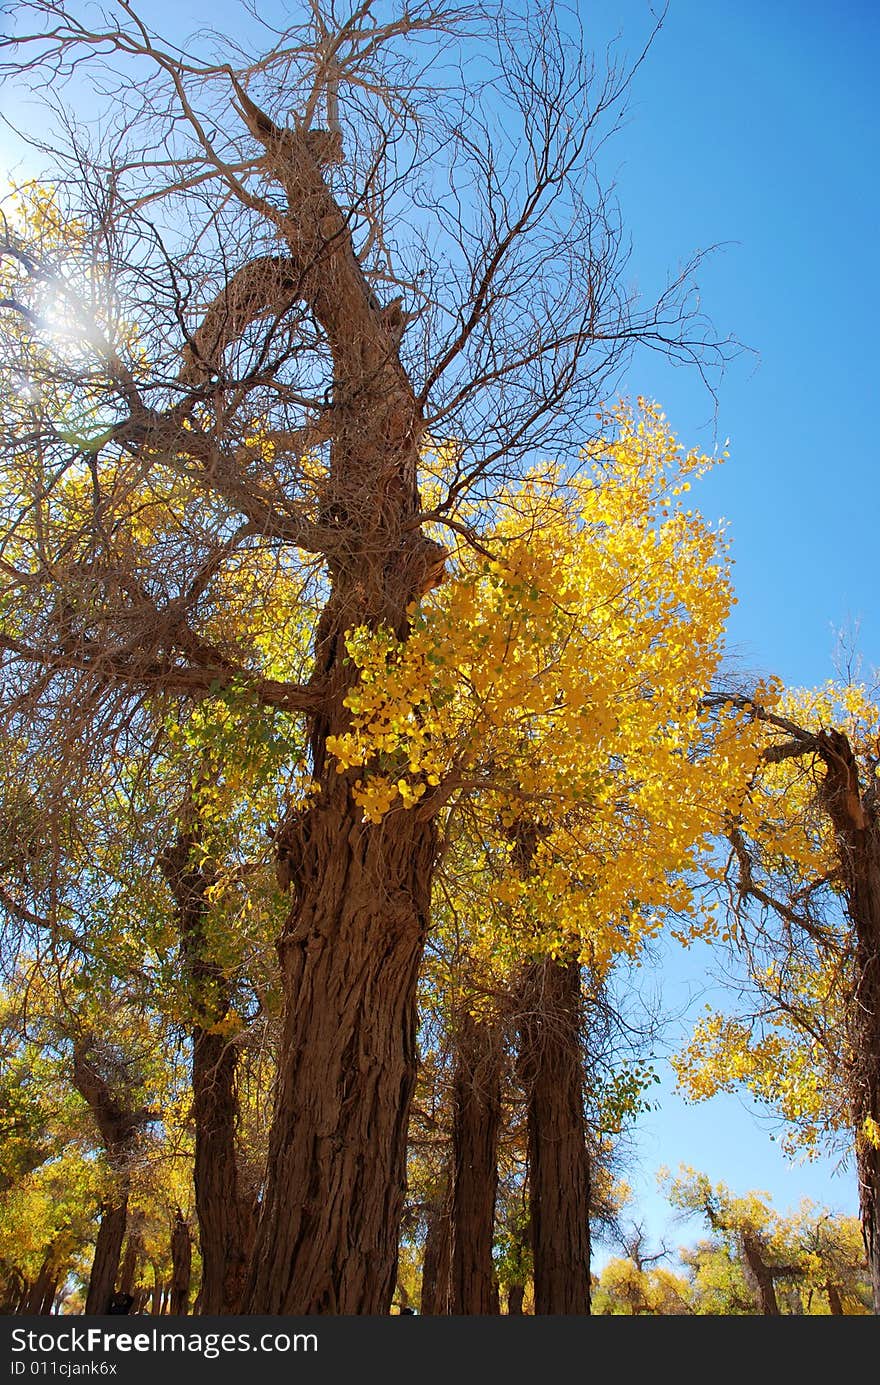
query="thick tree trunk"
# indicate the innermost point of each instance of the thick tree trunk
(108, 1248)
(852, 809)
(225, 1218)
(437, 1264)
(181, 1266)
(351, 948)
(328, 1231)
(868, 1166)
(551, 1069)
(476, 1120)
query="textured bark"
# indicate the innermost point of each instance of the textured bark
(852, 809)
(225, 1217)
(351, 947)
(105, 1264)
(328, 1231)
(181, 1266)
(476, 1121)
(437, 1263)
(551, 1070)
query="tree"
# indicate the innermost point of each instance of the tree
(227, 340)
(749, 1228)
(804, 877)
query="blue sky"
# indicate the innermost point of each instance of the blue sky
(753, 125)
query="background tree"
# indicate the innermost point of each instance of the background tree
(803, 876)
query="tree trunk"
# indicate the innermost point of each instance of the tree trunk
(476, 1120)
(41, 1293)
(761, 1276)
(854, 816)
(515, 1295)
(130, 1261)
(551, 1069)
(328, 1232)
(119, 1124)
(108, 1248)
(225, 1218)
(156, 1293)
(181, 1266)
(437, 1263)
(835, 1306)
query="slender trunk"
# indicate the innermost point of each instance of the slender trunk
(515, 1295)
(12, 1295)
(41, 1293)
(119, 1124)
(476, 1120)
(225, 1218)
(761, 1276)
(437, 1263)
(108, 1248)
(130, 1261)
(864, 1030)
(551, 1069)
(835, 1306)
(328, 1231)
(156, 1293)
(868, 1167)
(181, 1266)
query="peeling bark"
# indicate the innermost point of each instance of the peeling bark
(328, 1232)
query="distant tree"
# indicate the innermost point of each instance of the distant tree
(749, 1229)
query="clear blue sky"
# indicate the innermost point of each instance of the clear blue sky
(754, 123)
